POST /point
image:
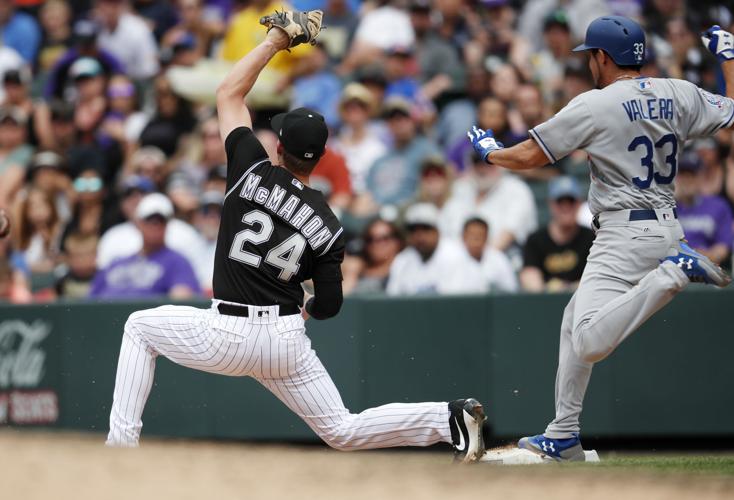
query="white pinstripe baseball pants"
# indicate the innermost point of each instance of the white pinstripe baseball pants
(276, 352)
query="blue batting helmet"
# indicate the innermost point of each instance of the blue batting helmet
(621, 38)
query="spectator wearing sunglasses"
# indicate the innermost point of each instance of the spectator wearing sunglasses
(91, 215)
(366, 268)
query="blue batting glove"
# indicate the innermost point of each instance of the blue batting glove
(483, 141)
(719, 42)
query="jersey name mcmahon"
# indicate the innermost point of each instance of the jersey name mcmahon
(275, 231)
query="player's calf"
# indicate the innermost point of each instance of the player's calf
(466, 418)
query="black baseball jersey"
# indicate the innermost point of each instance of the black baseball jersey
(275, 232)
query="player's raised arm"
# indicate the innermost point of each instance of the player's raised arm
(293, 28)
(523, 156)
(721, 44)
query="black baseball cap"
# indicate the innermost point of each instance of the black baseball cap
(16, 76)
(302, 132)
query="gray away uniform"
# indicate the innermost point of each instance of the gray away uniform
(633, 131)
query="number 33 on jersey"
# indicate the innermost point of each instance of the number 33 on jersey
(272, 227)
(633, 131)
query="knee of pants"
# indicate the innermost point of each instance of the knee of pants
(337, 442)
(588, 346)
(132, 326)
(339, 437)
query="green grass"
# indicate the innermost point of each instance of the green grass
(696, 464)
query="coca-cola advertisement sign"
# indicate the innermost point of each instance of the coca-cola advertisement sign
(22, 367)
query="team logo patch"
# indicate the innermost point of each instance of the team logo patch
(712, 99)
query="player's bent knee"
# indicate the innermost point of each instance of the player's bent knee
(132, 325)
(340, 438)
(337, 443)
(586, 348)
(592, 355)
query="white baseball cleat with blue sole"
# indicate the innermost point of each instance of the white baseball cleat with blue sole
(697, 267)
(561, 450)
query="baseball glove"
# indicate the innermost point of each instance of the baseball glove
(301, 27)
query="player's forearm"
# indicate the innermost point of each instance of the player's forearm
(327, 300)
(727, 67)
(523, 156)
(239, 81)
(531, 279)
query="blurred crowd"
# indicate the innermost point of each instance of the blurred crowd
(114, 173)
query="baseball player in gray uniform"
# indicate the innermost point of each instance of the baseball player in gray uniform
(632, 129)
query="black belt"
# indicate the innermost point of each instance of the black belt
(244, 311)
(637, 214)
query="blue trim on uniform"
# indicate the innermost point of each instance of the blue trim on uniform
(728, 121)
(547, 151)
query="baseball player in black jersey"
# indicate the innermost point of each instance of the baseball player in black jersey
(275, 233)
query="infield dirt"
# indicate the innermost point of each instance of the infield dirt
(46, 465)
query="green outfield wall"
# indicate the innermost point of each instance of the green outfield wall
(673, 377)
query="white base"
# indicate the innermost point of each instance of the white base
(519, 456)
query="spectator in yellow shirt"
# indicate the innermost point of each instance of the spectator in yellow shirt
(244, 34)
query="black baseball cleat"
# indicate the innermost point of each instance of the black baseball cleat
(466, 418)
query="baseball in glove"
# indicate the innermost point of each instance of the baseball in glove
(301, 27)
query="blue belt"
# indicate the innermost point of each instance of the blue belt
(637, 214)
(647, 214)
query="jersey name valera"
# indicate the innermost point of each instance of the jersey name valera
(294, 211)
(649, 109)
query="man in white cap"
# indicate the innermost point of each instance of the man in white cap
(430, 264)
(154, 271)
(124, 239)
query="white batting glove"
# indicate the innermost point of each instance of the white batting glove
(719, 42)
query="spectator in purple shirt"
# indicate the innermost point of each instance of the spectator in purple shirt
(156, 270)
(706, 220)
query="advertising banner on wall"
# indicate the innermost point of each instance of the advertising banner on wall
(28, 373)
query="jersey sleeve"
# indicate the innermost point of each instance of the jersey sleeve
(329, 260)
(570, 129)
(243, 151)
(706, 113)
